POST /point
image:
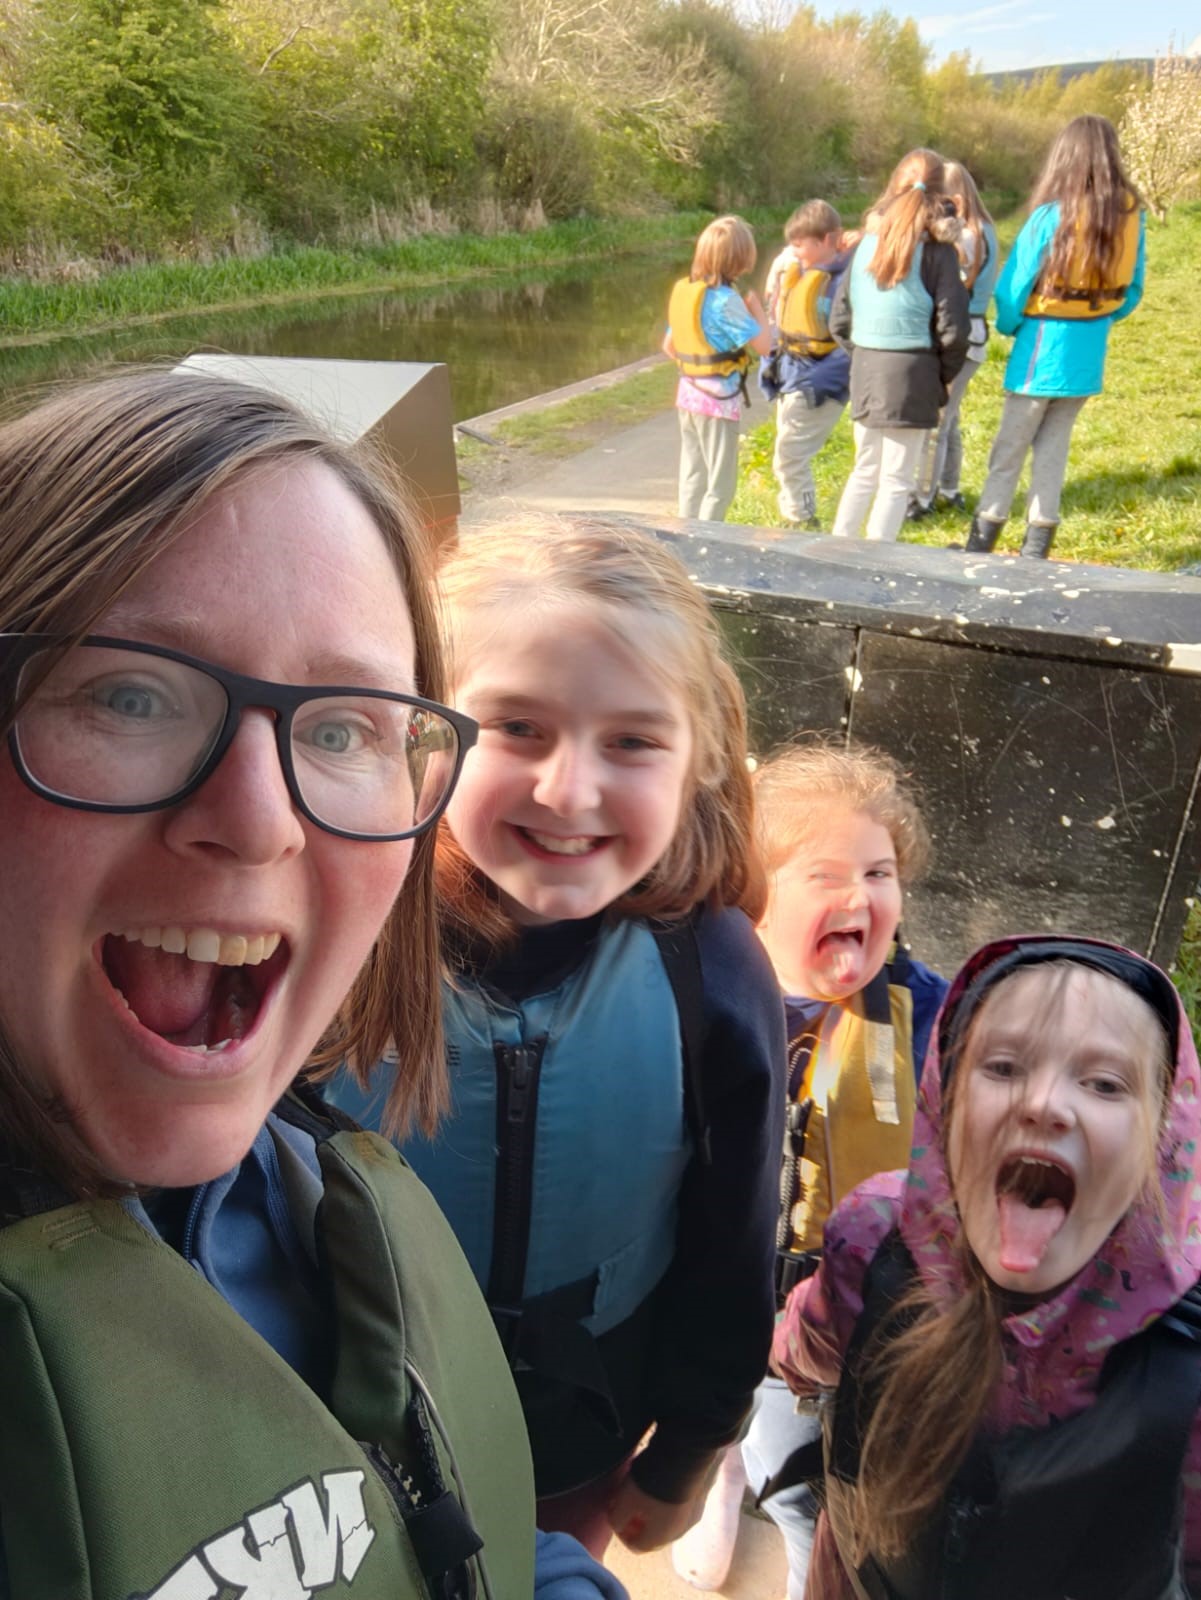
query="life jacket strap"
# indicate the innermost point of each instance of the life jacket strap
(546, 1335)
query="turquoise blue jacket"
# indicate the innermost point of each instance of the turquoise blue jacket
(1054, 356)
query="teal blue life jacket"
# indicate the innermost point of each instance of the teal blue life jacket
(598, 1125)
(889, 319)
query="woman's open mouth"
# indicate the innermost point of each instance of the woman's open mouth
(1034, 1195)
(195, 988)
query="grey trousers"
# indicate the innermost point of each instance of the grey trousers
(1043, 425)
(883, 477)
(708, 466)
(942, 460)
(801, 431)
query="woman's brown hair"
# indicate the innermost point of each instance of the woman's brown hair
(913, 204)
(643, 594)
(1084, 175)
(94, 485)
(944, 1367)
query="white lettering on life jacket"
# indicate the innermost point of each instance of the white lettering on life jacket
(283, 1551)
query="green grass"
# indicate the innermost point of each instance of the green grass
(574, 424)
(35, 310)
(1186, 969)
(1133, 491)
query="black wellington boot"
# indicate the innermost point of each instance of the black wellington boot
(1039, 536)
(983, 534)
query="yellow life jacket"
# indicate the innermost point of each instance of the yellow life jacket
(694, 355)
(801, 319)
(1082, 298)
(859, 1094)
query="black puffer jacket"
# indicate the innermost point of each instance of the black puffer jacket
(908, 388)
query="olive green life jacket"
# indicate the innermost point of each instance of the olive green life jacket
(152, 1445)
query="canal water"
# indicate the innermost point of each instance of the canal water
(503, 338)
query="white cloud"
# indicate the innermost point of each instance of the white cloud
(948, 22)
(1022, 22)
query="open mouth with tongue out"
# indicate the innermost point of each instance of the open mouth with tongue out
(1034, 1195)
(842, 948)
(198, 990)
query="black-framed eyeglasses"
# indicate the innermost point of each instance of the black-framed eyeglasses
(114, 725)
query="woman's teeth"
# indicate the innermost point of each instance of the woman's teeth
(204, 944)
(578, 845)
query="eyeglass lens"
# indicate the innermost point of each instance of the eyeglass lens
(119, 727)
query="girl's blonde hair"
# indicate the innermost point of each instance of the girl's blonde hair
(944, 1367)
(725, 251)
(94, 485)
(793, 784)
(913, 204)
(643, 594)
(1084, 175)
(961, 188)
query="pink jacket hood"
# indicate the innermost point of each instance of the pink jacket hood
(1143, 1267)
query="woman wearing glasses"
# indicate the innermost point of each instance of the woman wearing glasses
(239, 1349)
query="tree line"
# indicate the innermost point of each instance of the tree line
(135, 128)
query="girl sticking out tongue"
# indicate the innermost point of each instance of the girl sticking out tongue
(1010, 1410)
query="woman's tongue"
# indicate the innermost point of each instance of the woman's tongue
(186, 1002)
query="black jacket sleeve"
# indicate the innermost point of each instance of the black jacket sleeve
(951, 324)
(717, 1301)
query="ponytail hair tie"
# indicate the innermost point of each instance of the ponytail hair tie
(919, 185)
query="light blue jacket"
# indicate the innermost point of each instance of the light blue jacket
(986, 278)
(898, 318)
(1055, 356)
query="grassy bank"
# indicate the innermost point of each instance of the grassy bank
(1133, 491)
(139, 294)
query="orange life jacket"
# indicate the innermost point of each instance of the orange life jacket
(694, 355)
(1082, 298)
(801, 319)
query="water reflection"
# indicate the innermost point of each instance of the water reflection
(503, 339)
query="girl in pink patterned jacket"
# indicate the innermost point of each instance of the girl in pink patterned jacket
(1005, 1341)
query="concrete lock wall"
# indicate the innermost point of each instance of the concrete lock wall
(1050, 713)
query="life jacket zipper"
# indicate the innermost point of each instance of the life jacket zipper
(518, 1068)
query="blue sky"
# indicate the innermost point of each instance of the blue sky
(1029, 33)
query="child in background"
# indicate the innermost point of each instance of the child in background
(840, 834)
(1077, 267)
(711, 331)
(807, 372)
(902, 311)
(612, 1014)
(980, 262)
(1011, 1326)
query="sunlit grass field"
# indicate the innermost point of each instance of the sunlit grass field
(1133, 491)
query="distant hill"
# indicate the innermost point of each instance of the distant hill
(1070, 70)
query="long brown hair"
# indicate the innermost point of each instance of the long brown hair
(631, 580)
(911, 206)
(961, 189)
(94, 485)
(1084, 175)
(946, 1364)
